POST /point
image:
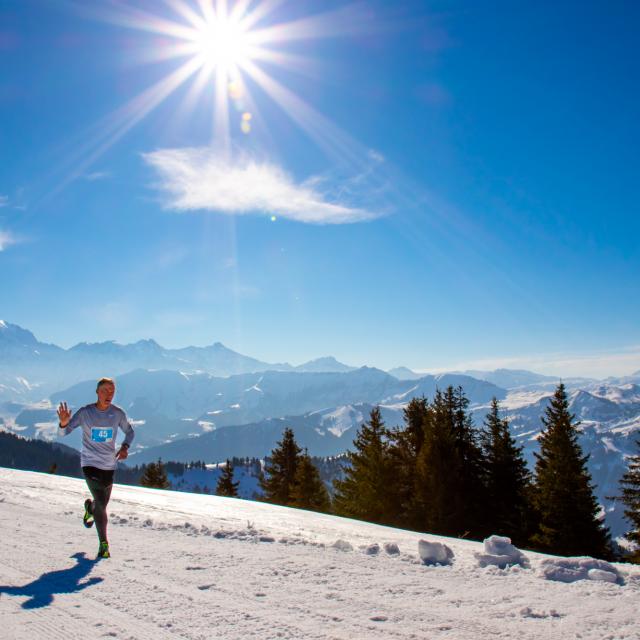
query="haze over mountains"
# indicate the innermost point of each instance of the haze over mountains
(209, 403)
(31, 369)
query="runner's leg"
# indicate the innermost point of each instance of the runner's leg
(100, 483)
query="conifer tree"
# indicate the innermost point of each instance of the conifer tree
(226, 486)
(630, 484)
(155, 476)
(309, 492)
(404, 447)
(280, 470)
(563, 492)
(449, 471)
(439, 502)
(366, 492)
(472, 481)
(508, 480)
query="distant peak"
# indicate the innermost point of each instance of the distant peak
(323, 360)
(13, 332)
(149, 342)
(325, 364)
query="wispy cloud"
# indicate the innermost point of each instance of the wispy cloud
(6, 239)
(4, 201)
(197, 179)
(97, 175)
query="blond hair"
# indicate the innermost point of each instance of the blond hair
(103, 381)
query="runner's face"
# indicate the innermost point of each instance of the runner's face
(105, 394)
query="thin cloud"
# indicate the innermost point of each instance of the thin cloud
(6, 240)
(196, 179)
(4, 201)
(97, 175)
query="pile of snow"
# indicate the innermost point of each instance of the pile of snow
(342, 545)
(499, 551)
(435, 553)
(573, 569)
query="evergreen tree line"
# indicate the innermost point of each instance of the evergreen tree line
(441, 474)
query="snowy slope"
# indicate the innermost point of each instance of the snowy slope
(195, 566)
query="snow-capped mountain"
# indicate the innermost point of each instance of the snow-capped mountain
(17, 343)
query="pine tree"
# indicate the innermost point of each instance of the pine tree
(226, 486)
(309, 492)
(472, 481)
(155, 476)
(280, 469)
(450, 496)
(439, 502)
(405, 445)
(508, 480)
(366, 491)
(630, 484)
(563, 493)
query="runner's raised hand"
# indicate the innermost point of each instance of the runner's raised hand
(64, 415)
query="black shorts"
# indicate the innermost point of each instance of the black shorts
(98, 478)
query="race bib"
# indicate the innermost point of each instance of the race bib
(101, 435)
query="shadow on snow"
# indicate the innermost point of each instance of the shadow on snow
(41, 591)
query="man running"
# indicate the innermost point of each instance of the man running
(100, 422)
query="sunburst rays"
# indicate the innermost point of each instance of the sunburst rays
(218, 44)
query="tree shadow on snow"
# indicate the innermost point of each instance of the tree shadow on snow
(41, 591)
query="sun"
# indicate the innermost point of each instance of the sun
(222, 43)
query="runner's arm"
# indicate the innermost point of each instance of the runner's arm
(123, 451)
(129, 433)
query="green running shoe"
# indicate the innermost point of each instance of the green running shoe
(87, 519)
(103, 550)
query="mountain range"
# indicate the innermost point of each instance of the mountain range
(30, 370)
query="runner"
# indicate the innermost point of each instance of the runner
(100, 422)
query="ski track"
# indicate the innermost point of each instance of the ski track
(171, 577)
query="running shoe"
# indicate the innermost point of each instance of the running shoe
(103, 550)
(87, 519)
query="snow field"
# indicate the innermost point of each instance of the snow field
(196, 566)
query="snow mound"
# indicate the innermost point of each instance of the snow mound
(434, 552)
(573, 569)
(372, 549)
(391, 548)
(499, 551)
(342, 545)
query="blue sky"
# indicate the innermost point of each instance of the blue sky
(438, 185)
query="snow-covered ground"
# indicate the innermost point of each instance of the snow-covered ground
(198, 566)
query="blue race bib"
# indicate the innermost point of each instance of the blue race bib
(101, 435)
